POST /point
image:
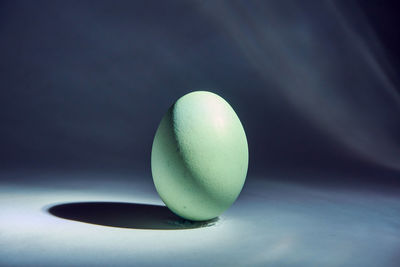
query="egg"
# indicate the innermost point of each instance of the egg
(199, 156)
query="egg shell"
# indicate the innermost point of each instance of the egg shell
(199, 156)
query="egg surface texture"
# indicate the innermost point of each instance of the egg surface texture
(199, 156)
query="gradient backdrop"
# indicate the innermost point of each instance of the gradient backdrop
(84, 85)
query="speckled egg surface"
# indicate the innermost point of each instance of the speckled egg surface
(199, 156)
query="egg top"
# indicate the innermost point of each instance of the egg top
(199, 157)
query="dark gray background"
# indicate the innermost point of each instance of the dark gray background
(84, 84)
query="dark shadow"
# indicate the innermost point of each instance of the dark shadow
(125, 215)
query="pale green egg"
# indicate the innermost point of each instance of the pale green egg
(200, 156)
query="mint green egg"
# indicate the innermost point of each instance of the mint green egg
(199, 157)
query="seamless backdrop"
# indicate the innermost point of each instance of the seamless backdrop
(84, 84)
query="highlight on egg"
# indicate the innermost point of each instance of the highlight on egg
(199, 156)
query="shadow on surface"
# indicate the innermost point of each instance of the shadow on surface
(125, 215)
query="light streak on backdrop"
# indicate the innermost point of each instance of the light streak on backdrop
(326, 61)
